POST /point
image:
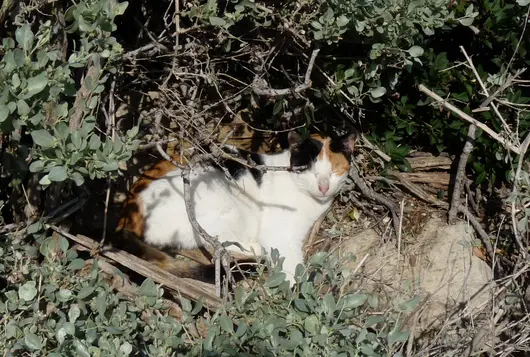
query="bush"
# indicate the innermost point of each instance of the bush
(63, 306)
(70, 116)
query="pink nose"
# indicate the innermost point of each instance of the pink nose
(323, 189)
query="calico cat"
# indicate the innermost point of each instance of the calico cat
(257, 209)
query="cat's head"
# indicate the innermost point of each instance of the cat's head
(321, 164)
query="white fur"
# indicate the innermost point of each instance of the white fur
(278, 214)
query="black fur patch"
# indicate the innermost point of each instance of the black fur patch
(305, 153)
(237, 169)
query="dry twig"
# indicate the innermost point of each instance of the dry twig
(259, 85)
(506, 143)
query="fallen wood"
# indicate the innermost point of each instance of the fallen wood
(438, 178)
(430, 162)
(188, 288)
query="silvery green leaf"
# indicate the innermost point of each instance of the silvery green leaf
(415, 51)
(32, 341)
(58, 174)
(377, 92)
(42, 138)
(28, 291)
(37, 84)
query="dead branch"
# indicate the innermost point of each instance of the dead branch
(430, 162)
(188, 288)
(259, 86)
(374, 196)
(507, 144)
(524, 148)
(485, 90)
(417, 191)
(83, 94)
(502, 88)
(220, 253)
(461, 173)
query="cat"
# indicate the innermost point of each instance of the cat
(258, 209)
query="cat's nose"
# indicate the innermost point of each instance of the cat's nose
(323, 189)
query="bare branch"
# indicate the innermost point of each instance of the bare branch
(220, 251)
(508, 145)
(371, 194)
(460, 176)
(509, 81)
(485, 90)
(524, 148)
(259, 86)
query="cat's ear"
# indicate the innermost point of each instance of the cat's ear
(346, 143)
(294, 138)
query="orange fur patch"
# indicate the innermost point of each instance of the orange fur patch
(339, 163)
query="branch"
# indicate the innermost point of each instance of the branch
(509, 81)
(469, 119)
(82, 95)
(220, 252)
(260, 88)
(189, 288)
(461, 173)
(524, 148)
(374, 196)
(485, 90)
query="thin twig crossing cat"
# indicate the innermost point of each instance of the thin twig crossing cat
(255, 208)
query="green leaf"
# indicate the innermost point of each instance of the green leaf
(377, 92)
(311, 323)
(275, 280)
(81, 349)
(23, 108)
(45, 181)
(58, 174)
(523, 2)
(32, 341)
(415, 51)
(36, 166)
(186, 304)
(111, 166)
(217, 21)
(42, 138)
(241, 329)
(28, 291)
(354, 300)
(85, 292)
(373, 320)
(226, 323)
(37, 84)
(148, 288)
(74, 313)
(342, 21)
(78, 178)
(410, 305)
(466, 21)
(76, 264)
(4, 112)
(120, 8)
(24, 37)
